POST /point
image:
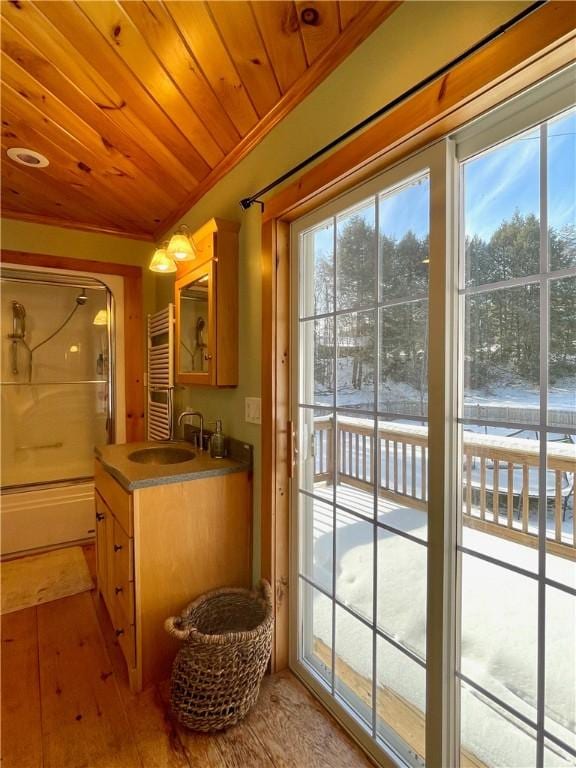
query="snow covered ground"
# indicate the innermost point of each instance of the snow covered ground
(499, 630)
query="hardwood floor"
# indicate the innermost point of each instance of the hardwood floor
(66, 704)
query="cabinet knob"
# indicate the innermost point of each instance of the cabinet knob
(117, 590)
(117, 547)
(118, 632)
(99, 516)
(207, 357)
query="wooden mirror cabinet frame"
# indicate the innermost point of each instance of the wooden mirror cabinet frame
(217, 254)
(208, 377)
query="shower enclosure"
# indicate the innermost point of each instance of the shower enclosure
(57, 403)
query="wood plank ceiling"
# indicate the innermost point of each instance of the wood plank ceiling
(141, 107)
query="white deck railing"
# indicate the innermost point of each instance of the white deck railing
(500, 476)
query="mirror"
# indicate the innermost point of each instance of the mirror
(194, 354)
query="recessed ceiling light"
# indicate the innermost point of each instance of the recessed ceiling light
(27, 157)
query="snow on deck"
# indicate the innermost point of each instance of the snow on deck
(499, 623)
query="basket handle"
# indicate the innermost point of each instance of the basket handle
(173, 627)
(266, 591)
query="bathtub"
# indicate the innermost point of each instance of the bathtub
(36, 519)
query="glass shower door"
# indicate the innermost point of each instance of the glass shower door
(56, 377)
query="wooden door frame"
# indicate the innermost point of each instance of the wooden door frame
(133, 324)
(535, 48)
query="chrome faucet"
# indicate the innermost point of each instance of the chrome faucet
(194, 413)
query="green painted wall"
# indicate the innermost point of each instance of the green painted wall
(416, 40)
(70, 243)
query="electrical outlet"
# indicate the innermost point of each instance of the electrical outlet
(252, 410)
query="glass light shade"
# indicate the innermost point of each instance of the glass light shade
(161, 262)
(181, 248)
(101, 317)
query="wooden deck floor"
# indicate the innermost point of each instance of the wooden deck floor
(66, 704)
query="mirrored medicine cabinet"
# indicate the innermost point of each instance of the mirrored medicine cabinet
(206, 300)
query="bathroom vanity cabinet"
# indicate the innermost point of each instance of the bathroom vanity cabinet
(206, 300)
(160, 546)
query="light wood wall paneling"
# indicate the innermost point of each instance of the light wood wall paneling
(73, 163)
(21, 722)
(320, 33)
(73, 176)
(153, 127)
(349, 10)
(247, 51)
(157, 27)
(196, 26)
(278, 22)
(57, 198)
(122, 36)
(44, 62)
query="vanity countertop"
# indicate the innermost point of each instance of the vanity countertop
(132, 475)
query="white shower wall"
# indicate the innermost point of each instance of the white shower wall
(51, 424)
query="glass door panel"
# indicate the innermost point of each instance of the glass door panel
(361, 480)
(518, 439)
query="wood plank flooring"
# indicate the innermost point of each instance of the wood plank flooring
(66, 704)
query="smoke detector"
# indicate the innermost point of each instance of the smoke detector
(27, 157)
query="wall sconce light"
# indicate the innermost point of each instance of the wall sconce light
(161, 262)
(181, 246)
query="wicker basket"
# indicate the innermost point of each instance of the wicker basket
(216, 675)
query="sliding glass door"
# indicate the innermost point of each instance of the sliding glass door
(517, 667)
(362, 395)
(434, 398)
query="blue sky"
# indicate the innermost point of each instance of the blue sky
(496, 184)
(506, 179)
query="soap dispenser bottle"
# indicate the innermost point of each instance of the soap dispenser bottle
(217, 442)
